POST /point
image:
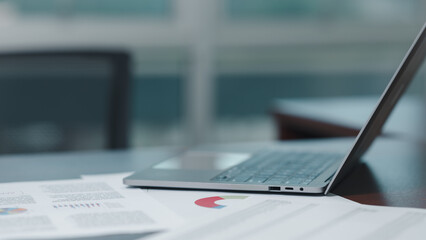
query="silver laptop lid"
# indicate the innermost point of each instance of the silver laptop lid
(396, 87)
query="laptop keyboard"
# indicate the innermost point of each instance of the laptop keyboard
(279, 168)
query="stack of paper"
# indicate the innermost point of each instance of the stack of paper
(225, 215)
(274, 218)
(78, 208)
(99, 205)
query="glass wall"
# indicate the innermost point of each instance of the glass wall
(209, 71)
(92, 8)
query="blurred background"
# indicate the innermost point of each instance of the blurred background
(208, 71)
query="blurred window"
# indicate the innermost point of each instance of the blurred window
(324, 10)
(106, 8)
(213, 67)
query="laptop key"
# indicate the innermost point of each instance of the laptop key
(294, 181)
(257, 179)
(275, 180)
(241, 178)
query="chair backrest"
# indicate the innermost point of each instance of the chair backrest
(63, 100)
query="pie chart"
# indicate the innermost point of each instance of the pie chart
(210, 202)
(12, 211)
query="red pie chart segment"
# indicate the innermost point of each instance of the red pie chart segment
(210, 202)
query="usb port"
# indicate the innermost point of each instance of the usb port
(289, 188)
(272, 188)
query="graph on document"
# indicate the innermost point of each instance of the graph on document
(210, 202)
(12, 211)
(78, 205)
(87, 205)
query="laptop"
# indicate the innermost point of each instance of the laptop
(274, 170)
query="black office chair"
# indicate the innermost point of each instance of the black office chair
(63, 100)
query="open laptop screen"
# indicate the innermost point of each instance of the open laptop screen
(396, 87)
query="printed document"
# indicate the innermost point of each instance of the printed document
(294, 220)
(77, 208)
